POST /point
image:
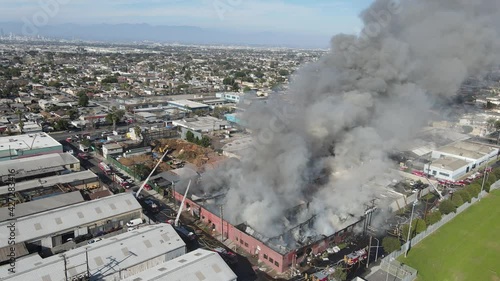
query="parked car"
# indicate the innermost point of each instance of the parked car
(94, 240)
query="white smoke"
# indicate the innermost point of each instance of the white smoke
(344, 113)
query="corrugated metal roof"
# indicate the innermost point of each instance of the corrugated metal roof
(37, 164)
(45, 223)
(199, 265)
(106, 257)
(51, 181)
(42, 205)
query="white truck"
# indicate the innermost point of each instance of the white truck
(134, 222)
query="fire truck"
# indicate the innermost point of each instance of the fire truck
(105, 168)
(356, 256)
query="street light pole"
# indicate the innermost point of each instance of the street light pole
(482, 185)
(409, 228)
(378, 245)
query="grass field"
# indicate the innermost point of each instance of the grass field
(466, 248)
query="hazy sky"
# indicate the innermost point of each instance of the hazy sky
(321, 17)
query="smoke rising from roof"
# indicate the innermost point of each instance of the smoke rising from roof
(325, 139)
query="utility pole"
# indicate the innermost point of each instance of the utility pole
(409, 229)
(369, 251)
(222, 222)
(87, 261)
(65, 268)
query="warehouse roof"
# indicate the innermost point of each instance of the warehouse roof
(449, 163)
(105, 257)
(28, 141)
(468, 149)
(45, 204)
(201, 124)
(51, 181)
(197, 265)
(25, 167)
(53, 221)
(188, 104)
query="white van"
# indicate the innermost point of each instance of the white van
(134, 222)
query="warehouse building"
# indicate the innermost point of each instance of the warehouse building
(38, 166)
(29, 145)
(42, 205)
(453, 161)
(448, 168)
(115, 258)
(188, 105)
(202, 124)
(474, 153)
(50, 186)
(51, 228)
(196, 265)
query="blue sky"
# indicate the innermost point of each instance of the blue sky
(320, 17)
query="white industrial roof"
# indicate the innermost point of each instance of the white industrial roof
(105, 257)
(188, 103)
(36, 164)
(199, 265)
(57, 220)
(28, 141)
(51, 181)
(201, 124)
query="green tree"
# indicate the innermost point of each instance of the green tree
(247, 89)
(433, 217)
(339, 274)
(141, 170)
(83, 100)
(61, 125)
(446, 207)
(391, 244)
(114, 116)
(284, 72)
(205, 141)
(457, 200)
(138, 131)
(417, 226)
(228, 81)
(474, 189)
(73, 113)
(464, 194)
(189, 136)
(86, 142)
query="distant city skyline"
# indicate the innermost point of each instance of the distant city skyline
(322, 18)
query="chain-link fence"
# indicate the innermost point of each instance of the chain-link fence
(406, 273)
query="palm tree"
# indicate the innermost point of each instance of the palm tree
(21, 123)
(115, 115)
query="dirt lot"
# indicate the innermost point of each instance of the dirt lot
(179, 150)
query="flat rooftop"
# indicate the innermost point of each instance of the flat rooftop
(449, 163)
(57, 220)
(468, 149)
(196, 265)
(31, 166)
(28, 141)
(188, 103)
(86, 175)
(201, 124)
(42, 205)
(238, 146)
(105, 257)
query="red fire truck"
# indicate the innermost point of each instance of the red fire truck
(105, 168)
(355, 257)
